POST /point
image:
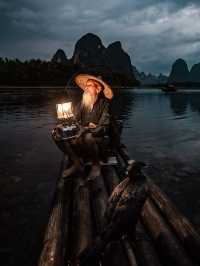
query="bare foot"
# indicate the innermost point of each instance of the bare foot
(77, 166)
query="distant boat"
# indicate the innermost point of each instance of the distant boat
(169, 88)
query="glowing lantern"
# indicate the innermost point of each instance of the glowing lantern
(64, 110)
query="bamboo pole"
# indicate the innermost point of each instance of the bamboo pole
(129, 251)
(144, 247)
(111, 178)
(114, 255)
(99, 198)
(124, 153)
(53, 252)
(167, 245)
(82, 220)
(182, 227)
(68, 199)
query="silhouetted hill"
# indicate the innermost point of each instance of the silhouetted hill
(60, 57)
(88, 51)
(179, 72)
(118, 60)
(195, 73)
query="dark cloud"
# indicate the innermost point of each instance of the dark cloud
(153, 32)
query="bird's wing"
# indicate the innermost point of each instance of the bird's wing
(129, 206)
(113, 200)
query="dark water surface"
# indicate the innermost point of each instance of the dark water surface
(161, 129)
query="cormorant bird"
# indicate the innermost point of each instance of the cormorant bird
(121, 215)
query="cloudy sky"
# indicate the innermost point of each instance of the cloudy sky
(153, 32)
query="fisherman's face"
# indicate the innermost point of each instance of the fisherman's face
(90, 94)
(91, 88)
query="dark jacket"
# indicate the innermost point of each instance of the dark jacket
(99, 115)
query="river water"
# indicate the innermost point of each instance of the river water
(161, 129)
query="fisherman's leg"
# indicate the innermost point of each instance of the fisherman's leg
(67, 148)
(76, 161)
(63, 145)
(91, 145)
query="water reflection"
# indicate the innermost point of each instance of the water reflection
(15, 102)
(179, 103)
(123, 104)
(195, 103)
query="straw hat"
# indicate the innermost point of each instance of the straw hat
(81, 80)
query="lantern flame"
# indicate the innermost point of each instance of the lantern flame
(64, 110)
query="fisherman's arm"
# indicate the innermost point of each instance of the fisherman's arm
(103, 123)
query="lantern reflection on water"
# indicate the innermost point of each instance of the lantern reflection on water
(64, 111)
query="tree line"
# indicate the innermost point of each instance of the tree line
(34, 72)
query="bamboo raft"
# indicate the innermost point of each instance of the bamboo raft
(163, 235)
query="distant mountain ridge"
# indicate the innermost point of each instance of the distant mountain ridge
(89, 51)
(149, 79)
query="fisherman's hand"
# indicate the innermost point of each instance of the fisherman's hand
(82, 130)
(92, 125)
(98, 131)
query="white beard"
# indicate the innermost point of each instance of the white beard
(88, 100)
